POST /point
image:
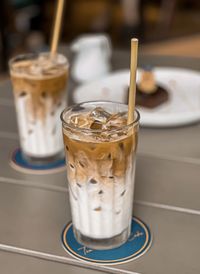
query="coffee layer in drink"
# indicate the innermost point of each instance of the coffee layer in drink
(100, 152)
(39, 89)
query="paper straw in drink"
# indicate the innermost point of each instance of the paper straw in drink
(132, 86)
(39, 82)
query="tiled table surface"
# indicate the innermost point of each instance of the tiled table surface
(34, 209)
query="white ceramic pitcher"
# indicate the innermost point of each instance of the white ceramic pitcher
(92, 59)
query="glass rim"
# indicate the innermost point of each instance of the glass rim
(31, 55)
(88, 130)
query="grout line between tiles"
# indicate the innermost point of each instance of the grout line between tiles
(180, 159)
(61, 259)
(168, 207)
(33, 184)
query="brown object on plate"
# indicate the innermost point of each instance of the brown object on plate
(151, 100)
(148, 93)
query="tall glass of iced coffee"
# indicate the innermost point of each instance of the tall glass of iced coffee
(100, 154)
(39, 82)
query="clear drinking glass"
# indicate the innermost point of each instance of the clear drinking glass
(100, 155)
(39, 87)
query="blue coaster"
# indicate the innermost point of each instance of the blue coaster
(138, 244)
(19, 163)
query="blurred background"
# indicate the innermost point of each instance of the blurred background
(163, 26)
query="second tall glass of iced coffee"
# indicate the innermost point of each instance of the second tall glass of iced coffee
(100, 153)
(39, 86)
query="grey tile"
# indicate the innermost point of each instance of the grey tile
(8, 122)
(176, 242)
(21, 264)
(167, 182)
(57, 181)
(180, 143)
(33, 219)
(30, 216)
(6, 94)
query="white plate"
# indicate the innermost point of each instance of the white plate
(182, 108)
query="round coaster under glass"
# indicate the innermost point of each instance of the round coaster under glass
(137, 244)
(19, 163)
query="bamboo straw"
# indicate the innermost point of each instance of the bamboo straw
(57, 26)
(132, 86)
